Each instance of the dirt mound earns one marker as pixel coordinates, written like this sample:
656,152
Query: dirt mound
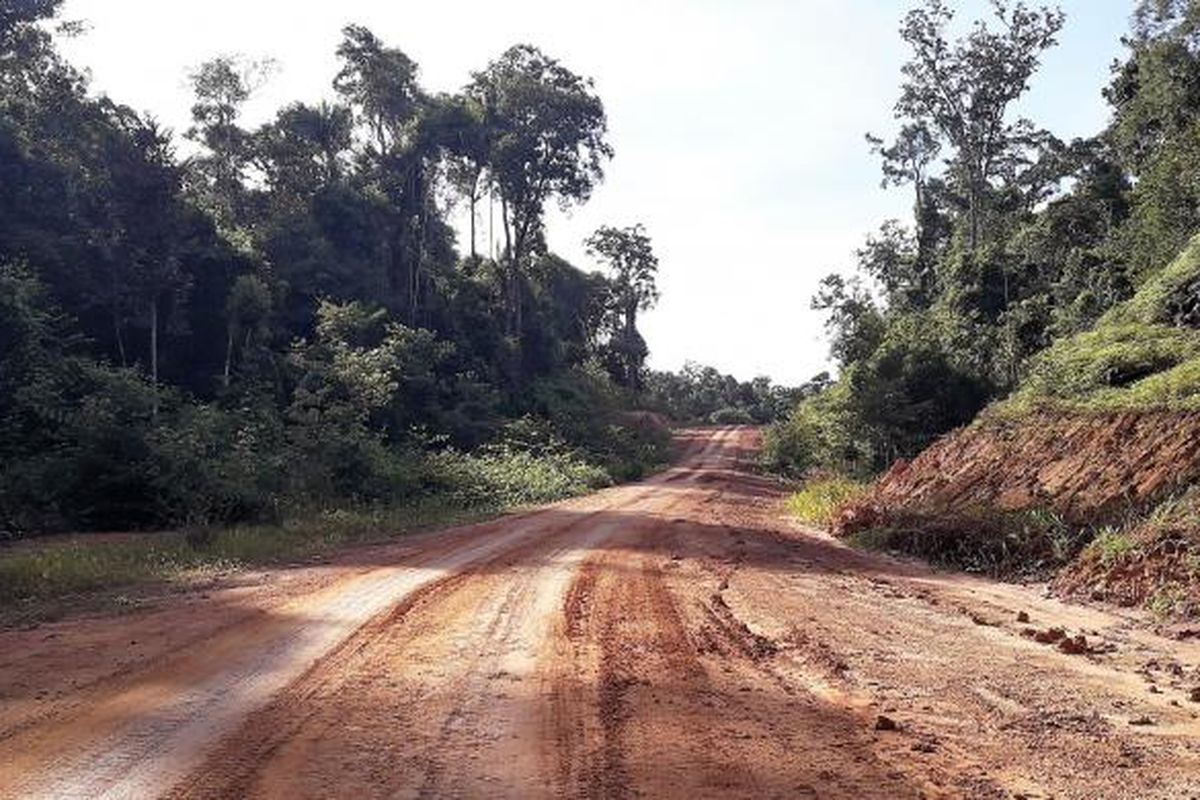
1086,468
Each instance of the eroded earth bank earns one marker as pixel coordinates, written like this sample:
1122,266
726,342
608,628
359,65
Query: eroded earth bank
675,638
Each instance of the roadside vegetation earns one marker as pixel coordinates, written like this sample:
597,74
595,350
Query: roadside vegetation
1032,268
1028,544
701,395
271,340
283,324
1036,278
1142,354
1152,561
819,499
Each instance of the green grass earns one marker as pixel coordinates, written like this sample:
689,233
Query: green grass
34,572
818,501
1134,358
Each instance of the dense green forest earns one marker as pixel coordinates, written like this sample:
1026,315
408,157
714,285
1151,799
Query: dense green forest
256,323
1017,239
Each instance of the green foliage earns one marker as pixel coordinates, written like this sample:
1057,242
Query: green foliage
1032,270
630,258
910,390
1110,545
700,395
280,325
730,415
1137,356
502,476
820,499
819,433
891,404
587,410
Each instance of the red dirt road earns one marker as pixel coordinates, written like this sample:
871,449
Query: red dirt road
674,638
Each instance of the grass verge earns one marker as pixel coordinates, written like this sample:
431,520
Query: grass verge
34,573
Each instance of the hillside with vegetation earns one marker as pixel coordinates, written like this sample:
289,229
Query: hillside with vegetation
1045,297
1018,239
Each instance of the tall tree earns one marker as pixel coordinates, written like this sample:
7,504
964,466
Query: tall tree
380,84
907,160
305,148
633,267
1155,95
222,86
461,127
549,142
964,89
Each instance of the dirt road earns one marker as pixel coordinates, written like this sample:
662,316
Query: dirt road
674,638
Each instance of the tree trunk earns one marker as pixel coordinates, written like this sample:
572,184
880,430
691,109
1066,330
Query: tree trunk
228,355
154,353
473,200
632,365
510,268
119,337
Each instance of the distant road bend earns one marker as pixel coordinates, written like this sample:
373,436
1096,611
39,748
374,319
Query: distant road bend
673,638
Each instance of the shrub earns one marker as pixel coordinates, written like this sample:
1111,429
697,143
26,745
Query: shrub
1111,544
502,476
820,499
584,410
730,415
817,434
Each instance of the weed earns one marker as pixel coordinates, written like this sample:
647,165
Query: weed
1111,545
1167,601
1030,543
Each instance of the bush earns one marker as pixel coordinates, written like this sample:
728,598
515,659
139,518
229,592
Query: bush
502,476
209,466
817,434
820,499
1029,543
730,415
585,411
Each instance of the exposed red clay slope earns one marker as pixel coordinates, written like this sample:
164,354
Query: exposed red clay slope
1086,467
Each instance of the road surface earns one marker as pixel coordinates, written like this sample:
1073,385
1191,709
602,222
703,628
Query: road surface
675,638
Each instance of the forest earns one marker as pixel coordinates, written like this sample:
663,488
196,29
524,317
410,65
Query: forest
246,325
1017,239
228,324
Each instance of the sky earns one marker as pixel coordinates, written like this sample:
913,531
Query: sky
738,125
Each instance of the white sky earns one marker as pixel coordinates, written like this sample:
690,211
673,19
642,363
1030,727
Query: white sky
738,125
